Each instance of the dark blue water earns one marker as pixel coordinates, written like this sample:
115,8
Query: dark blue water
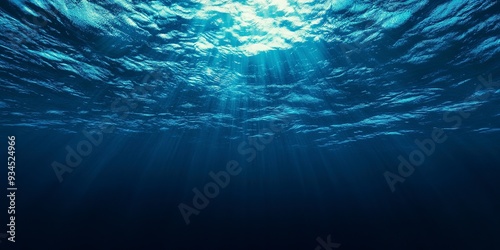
252,124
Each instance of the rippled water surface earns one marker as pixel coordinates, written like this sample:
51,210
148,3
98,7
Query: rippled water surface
346,70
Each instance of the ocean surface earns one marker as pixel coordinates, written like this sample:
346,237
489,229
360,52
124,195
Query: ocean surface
262,124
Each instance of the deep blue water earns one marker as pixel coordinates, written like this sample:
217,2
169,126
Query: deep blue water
373,122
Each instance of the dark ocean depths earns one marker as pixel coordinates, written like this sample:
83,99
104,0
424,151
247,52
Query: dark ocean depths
263,124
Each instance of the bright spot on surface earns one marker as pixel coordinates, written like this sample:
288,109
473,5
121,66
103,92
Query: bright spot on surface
257,25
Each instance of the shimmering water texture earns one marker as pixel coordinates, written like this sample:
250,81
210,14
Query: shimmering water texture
346,70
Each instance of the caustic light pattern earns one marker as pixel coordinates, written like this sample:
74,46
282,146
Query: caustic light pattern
346,70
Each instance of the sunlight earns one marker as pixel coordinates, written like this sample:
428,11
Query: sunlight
258,25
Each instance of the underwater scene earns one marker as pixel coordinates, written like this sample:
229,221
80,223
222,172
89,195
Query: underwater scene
250,125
